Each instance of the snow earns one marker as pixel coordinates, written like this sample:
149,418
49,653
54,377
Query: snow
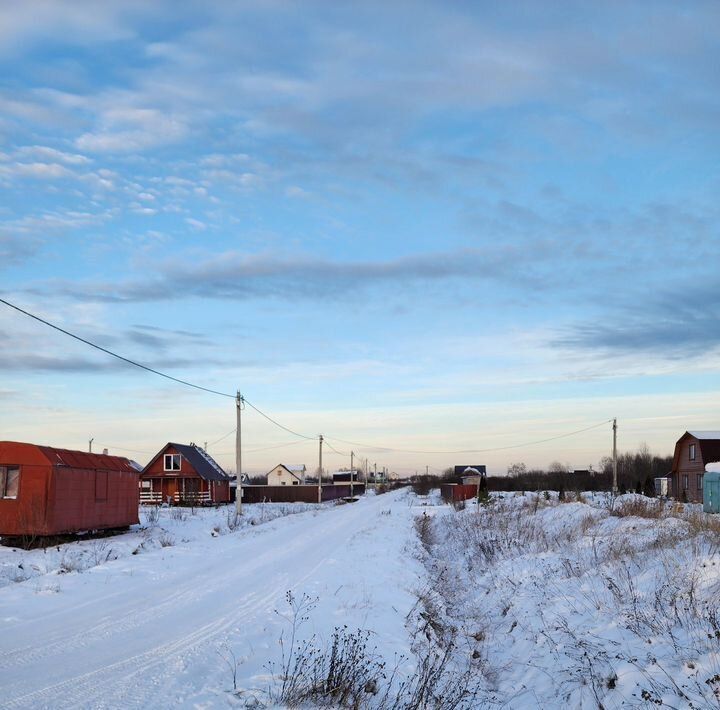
705,434
712,467
588,602
152,629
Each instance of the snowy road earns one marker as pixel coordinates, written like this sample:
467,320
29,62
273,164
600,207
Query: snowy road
150,630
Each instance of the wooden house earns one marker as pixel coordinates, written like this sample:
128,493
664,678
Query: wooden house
47,491
184,474
287,475
692,451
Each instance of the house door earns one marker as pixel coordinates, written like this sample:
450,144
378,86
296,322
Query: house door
191,489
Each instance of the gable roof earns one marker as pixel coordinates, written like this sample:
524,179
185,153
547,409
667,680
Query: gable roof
708,441
205,465
86,460
293,470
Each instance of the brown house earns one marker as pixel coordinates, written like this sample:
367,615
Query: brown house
47,491
693,450
184,474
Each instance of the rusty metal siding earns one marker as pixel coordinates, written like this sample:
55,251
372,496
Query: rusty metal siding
56,497
451,492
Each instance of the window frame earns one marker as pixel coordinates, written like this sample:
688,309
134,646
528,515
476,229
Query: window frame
5,469
692,452
699,480
171,458
686,482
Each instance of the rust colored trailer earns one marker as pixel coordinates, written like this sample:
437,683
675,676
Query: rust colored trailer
47,491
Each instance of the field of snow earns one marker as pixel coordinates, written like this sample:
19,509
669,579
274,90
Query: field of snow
572,604
396,601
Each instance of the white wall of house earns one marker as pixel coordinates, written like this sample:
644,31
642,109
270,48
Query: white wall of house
280,476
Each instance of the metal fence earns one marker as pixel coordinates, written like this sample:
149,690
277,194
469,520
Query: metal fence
298,494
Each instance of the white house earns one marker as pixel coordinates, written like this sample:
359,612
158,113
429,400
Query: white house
290,475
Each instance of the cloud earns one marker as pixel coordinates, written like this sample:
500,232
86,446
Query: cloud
129,130
682,324
235,276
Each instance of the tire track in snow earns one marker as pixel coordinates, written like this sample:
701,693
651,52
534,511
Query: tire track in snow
117,683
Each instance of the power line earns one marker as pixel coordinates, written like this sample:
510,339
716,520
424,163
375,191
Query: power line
473,451
112,354
221,438
147,368
332,448
270,419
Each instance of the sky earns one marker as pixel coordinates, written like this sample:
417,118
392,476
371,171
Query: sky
408,226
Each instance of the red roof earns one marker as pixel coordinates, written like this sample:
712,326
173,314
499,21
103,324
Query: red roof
82,459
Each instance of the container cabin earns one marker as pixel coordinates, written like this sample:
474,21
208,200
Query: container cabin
47,491
184,474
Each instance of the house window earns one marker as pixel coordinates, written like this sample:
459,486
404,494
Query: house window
172,462
9,481
692,452
295,483
699,481
283,483
686,481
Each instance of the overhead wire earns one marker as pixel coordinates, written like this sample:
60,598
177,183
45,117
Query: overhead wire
471,451
209,390
147,368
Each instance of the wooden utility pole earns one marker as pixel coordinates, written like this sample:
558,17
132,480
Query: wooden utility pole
615,481
320,472
90,445
352,472
238,453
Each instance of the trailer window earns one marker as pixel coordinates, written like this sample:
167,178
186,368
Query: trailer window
172,462
9,481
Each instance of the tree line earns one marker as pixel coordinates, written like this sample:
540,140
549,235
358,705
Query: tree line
636,473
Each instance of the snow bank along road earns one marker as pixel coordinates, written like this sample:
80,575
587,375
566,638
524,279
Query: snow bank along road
152,630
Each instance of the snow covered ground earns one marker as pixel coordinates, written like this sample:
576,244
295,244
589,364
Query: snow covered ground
161,628
528,603
571,604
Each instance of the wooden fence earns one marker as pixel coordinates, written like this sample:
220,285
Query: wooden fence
298,494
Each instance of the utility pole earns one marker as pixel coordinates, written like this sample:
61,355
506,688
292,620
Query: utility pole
352,472
427,470
90,445
375,476
615,482
238,453
320,472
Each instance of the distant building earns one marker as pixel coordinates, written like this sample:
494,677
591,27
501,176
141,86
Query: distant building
692,451
287,475
345,476
184,474
479,468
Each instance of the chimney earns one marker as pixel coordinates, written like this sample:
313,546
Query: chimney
105,452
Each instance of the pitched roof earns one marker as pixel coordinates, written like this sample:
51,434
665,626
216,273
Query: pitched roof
205,465
84,459
708,441
293,470
705,434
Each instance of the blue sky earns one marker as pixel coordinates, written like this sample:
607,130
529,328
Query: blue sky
422,226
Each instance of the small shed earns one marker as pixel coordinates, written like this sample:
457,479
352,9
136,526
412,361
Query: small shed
184,474
711,488
47,491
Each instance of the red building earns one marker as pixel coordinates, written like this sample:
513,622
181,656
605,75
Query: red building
693,450
184,474
47,491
